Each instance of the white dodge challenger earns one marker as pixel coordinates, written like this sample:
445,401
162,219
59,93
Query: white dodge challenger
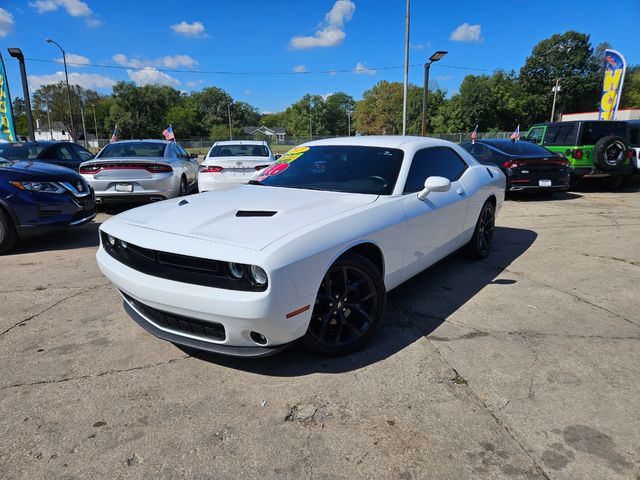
306,251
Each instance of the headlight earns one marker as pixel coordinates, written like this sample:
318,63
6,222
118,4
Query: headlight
46,187
258,275
236,270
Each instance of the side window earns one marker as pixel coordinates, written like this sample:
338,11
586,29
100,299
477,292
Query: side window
185,155
433,162
552,133
482,153
535,135
64,152
82,153
176,150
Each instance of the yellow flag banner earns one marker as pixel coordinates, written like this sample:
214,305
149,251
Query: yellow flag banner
614,68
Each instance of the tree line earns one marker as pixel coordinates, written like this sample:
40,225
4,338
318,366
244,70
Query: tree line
497,101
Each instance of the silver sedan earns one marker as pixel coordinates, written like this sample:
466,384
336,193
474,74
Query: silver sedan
140,170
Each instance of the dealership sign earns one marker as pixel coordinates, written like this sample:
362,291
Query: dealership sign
614,68
7,130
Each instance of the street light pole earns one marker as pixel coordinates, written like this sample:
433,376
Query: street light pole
406,71
555,90
349,113
46,99
17,53
425,89
66,76
229,113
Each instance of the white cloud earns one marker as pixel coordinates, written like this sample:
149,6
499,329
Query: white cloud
420,46
169,61
326,95
195,29
74,60
6,23
75,8
467,33
152,76
85,80
361,69
299,69
194,83
331,34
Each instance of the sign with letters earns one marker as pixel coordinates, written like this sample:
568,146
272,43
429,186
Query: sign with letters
614,69
7,129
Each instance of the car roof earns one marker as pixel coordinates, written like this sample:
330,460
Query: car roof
149,140
388,141
241,142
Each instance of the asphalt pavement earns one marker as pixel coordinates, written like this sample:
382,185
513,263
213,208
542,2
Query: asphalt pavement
522,366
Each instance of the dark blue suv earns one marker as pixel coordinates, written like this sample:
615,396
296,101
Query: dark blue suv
37,198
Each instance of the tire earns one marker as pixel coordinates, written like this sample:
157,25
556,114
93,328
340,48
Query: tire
183,187
349,307
609,152
8,235
480,244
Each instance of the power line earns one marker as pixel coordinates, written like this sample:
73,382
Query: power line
230,72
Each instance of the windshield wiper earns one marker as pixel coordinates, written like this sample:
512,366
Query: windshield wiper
256,182
304,187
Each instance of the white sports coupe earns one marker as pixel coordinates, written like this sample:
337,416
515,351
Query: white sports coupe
306,251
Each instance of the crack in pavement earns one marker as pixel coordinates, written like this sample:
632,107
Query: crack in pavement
98,375
499,422
25,320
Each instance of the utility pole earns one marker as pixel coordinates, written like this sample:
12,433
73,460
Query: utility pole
310,126
406,71
555,91
84,128
349,113
46,99
95,124
229,113
425,89
66,76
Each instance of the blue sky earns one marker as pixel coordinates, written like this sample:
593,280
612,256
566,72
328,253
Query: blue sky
283,36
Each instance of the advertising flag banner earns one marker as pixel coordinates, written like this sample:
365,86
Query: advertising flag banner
7,129
614,68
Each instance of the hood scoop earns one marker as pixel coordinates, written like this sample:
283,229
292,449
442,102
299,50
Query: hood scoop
255,213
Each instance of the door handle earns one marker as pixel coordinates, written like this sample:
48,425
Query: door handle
460,191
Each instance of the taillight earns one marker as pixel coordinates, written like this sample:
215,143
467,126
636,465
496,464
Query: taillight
510,164
210,169
90,169
159,168
260,167
577,154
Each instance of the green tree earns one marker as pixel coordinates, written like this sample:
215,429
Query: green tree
631,88
570,57
337,107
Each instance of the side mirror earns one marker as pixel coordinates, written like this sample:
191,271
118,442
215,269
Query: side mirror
277,156
193,155
434,184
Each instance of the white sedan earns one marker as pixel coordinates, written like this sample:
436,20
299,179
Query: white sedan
233,162
306,251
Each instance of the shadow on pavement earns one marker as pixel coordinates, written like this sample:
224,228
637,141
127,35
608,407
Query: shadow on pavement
414,309
542,196
68,239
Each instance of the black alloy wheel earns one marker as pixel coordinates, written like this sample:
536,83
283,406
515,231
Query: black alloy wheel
348,309
480,244
8,234
183,187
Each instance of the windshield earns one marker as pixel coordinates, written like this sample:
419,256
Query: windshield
370,170
20,150
133,149
239,151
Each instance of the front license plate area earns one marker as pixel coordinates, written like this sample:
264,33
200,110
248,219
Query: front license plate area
544,183
124,187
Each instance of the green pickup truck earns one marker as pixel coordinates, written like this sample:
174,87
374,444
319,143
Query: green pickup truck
594,148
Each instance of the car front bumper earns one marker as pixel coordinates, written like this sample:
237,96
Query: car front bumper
239,312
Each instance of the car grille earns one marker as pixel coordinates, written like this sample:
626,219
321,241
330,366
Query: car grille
179,268
179,323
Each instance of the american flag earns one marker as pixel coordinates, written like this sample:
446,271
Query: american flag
168,133
474,135
114,137
515,136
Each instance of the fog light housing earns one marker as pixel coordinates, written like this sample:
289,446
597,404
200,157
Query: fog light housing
258,338
258,275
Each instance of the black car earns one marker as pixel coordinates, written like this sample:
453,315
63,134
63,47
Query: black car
526,165
37,198
64,154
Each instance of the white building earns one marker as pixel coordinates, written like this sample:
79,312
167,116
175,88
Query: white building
627,114
59,132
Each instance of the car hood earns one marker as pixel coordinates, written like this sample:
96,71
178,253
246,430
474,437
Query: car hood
243,216
37,171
